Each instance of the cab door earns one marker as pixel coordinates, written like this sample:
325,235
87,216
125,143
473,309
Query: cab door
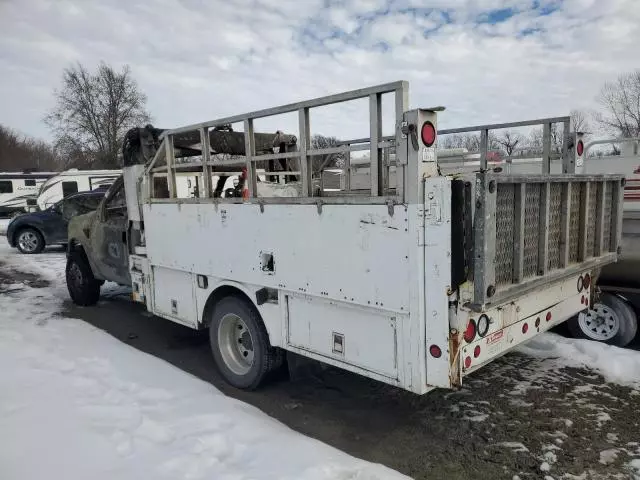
109,236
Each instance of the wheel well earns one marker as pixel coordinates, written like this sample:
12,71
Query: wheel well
75,246
217,295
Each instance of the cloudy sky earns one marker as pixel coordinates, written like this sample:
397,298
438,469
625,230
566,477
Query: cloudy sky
485,60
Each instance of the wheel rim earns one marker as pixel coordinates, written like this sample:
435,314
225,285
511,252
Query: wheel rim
601,323
28,241
75,275
235,344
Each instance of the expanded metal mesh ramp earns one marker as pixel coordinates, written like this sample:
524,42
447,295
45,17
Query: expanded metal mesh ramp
534,229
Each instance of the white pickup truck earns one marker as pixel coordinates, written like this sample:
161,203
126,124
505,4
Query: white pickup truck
416,280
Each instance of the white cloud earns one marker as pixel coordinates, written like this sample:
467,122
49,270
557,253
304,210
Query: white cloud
200,60
342,19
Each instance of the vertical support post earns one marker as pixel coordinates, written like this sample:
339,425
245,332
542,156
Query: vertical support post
347,171
565,224
616,214
250,151
600,199
543,239
171,173
568,148
546,149
206,167
518,238
485,240
375,133
305,143
384,173
401,105
584,220
484,146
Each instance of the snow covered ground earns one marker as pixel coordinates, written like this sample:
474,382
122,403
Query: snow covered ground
78,404
617,365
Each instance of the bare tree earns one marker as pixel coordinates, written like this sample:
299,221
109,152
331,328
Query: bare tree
509,140
580,121
621,103
19,152
94,110
320,162
470,141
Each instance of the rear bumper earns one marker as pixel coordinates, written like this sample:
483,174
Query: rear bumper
518,328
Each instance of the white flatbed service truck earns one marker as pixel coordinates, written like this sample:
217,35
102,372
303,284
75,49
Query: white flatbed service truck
415,283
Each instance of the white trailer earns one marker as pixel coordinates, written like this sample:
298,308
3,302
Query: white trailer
73,181
416,283
19,190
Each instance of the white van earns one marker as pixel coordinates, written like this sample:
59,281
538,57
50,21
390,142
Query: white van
19,190
72,181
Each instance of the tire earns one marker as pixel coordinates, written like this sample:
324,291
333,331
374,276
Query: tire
83,287
236,327
612,321
29,241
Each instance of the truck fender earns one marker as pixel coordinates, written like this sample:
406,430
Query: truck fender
223,288
74,244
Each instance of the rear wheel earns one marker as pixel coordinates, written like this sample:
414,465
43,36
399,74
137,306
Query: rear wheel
611,320
240,343
83,287
29,240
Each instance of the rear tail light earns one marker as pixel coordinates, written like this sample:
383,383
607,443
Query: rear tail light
467,362
476,351
435,351
428,134
470,332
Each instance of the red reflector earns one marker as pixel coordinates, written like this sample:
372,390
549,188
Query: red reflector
470,332
476,351
467,362
435,351
582,299
586,282
548,316
428,134
586,301
580,148
537,322
525,328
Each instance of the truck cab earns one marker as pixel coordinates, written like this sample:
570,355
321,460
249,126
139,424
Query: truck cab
98,247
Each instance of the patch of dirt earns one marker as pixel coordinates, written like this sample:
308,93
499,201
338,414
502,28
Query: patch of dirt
12,280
